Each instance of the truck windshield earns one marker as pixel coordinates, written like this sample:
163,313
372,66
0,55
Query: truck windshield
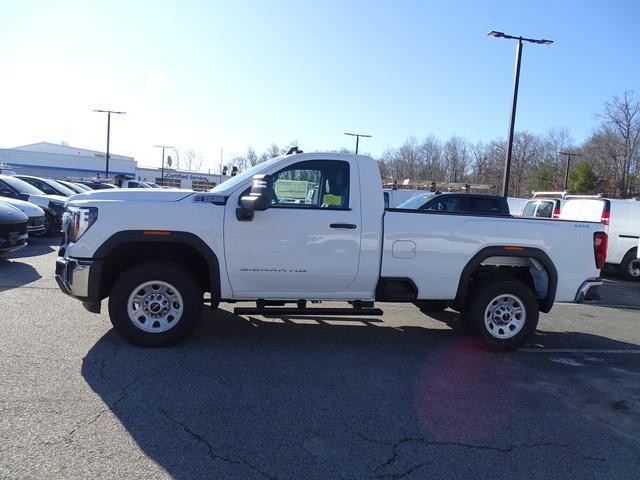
247,174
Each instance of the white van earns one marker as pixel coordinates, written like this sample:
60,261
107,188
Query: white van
623,220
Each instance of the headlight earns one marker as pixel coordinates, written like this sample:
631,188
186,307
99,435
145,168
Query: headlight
79,219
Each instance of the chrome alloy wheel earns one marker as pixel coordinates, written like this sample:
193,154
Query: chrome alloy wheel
505,316
155,306
634,268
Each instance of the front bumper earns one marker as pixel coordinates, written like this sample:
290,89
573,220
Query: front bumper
14,243
35,225
588,291
72,276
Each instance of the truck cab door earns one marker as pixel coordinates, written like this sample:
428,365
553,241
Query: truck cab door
307,243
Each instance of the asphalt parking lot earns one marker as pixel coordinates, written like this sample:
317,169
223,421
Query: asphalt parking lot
404,396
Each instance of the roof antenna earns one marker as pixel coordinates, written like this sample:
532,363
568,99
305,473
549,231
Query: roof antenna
294,150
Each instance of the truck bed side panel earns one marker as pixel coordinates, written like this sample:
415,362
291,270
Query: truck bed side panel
432,249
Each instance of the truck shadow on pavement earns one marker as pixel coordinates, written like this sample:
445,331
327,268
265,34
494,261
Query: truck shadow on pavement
250,398
15,274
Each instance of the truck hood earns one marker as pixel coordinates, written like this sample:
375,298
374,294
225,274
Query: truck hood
132,195
29,209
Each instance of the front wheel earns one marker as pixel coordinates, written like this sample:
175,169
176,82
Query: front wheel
503,315
155,304
49,226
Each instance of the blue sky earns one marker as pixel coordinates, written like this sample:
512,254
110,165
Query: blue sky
218,74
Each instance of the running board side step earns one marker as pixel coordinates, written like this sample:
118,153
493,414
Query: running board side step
338,312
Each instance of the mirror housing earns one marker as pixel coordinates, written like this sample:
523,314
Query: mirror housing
260,196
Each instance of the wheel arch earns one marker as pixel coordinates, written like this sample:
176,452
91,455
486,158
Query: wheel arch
531,253
127,248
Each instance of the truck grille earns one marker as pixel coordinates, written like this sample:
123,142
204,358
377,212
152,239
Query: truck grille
7,228
36,222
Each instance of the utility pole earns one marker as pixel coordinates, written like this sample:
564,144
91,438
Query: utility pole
162,170
514,99
566,173
357,135
108,112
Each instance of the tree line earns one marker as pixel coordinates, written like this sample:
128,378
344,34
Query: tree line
607,162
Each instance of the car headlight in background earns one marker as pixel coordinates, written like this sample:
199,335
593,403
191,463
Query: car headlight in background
78,220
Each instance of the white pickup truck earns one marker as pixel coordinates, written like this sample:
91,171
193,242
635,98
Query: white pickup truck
157,253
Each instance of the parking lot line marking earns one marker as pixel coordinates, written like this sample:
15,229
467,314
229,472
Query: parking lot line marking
608,305
577,350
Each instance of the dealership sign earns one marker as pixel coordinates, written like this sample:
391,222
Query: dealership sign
186,176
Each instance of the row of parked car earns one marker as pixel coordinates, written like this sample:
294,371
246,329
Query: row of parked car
621,218
33,206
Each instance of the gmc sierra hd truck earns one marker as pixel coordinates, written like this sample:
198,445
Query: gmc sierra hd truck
160,255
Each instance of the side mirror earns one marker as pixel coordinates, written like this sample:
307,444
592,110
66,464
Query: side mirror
259,197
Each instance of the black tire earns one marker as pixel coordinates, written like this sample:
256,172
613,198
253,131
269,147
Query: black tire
49,225
499,338
629,269
431,306
166,274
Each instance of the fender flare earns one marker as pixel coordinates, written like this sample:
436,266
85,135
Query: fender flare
507,251
166,236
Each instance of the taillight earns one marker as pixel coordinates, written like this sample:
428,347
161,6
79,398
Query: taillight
600,241
605,218
556,213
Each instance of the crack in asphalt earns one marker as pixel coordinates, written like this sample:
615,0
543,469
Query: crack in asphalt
212,453
68,437
395,447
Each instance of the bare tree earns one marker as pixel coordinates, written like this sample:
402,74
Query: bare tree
620,124
190,161
456,157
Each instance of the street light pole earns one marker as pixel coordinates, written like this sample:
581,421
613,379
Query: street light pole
108,112
512,121
566,173
357,135
514,100
162,169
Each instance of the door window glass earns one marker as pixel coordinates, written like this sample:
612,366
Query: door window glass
484,205
312,184
447,204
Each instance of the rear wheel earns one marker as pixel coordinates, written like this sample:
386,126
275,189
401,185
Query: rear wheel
630,267
503,314
155,304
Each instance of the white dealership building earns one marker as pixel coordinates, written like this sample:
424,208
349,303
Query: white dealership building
55,161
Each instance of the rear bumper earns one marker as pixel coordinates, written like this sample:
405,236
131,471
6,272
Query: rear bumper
588,291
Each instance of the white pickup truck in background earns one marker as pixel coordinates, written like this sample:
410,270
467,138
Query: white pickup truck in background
155,253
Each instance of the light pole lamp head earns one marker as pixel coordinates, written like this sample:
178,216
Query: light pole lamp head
493,33
546,42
